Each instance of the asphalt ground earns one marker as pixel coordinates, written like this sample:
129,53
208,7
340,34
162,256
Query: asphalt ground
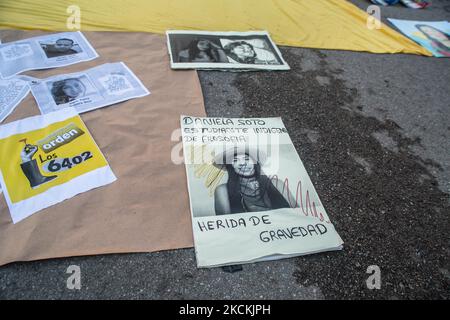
373,132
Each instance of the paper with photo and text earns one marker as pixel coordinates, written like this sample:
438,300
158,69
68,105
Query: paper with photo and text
94,88
44,52
239,51
47,159
250,195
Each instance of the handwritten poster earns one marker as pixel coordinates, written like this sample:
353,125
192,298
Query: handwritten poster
250,195
432,35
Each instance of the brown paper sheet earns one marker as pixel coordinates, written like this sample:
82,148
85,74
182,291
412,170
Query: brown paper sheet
147,208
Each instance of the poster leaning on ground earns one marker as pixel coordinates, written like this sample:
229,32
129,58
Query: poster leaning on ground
250,195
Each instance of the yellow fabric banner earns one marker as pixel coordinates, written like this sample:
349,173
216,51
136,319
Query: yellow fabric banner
322,24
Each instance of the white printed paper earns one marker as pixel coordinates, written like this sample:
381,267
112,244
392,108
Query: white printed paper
252,50
47,159
94,88
12,92
250,195
49,51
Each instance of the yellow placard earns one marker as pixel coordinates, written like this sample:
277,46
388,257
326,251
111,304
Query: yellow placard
29,168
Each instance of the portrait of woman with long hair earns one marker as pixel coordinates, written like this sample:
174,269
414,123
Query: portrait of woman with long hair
247,188
67,90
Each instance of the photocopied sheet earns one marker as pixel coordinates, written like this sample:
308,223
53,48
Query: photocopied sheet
12,92
47,159
94,88
44,52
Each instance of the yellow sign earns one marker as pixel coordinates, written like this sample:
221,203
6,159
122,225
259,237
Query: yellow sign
35,161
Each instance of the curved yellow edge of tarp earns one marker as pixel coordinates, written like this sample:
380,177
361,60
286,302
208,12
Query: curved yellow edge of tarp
321,24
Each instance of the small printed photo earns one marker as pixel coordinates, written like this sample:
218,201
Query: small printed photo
70,89
249,51
197,48
224,50
60,47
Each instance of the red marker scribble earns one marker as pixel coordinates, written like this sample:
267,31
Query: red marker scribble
308,207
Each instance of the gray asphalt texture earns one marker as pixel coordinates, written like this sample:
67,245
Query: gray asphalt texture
373,132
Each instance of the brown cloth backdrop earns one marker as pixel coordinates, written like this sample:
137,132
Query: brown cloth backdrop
147,208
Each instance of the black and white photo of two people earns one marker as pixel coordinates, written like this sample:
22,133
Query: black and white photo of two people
224,50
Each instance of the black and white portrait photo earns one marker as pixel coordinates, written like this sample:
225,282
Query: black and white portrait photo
247,188
60,47
94,88
70,89
224,50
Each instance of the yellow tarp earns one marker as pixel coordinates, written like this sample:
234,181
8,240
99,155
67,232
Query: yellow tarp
324,24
